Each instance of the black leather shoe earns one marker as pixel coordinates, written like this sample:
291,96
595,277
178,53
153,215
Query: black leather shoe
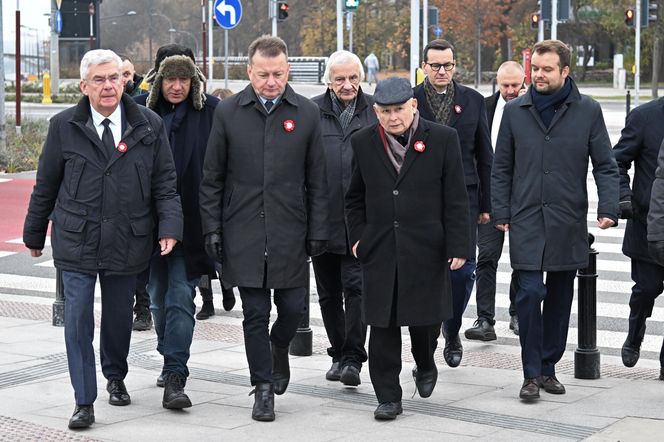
552,385
228,299
630,353
388,411
83,417
117,392
142,321
334,373
350,376
425,380
263,402
174,395
453,351
280,369
207,310
514,324
530,389
482,330
160,380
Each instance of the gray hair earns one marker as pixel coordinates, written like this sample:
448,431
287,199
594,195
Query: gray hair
98,56
342,57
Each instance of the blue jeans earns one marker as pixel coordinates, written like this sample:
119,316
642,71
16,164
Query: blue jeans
172,306
543,310
462,281
117,298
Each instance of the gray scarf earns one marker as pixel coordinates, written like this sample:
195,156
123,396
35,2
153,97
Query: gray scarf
440,104
396,152
345,114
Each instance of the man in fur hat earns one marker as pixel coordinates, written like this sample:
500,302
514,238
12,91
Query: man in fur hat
177,96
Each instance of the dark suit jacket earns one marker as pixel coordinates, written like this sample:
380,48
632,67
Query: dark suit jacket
639,143
408,224
471,124
491,102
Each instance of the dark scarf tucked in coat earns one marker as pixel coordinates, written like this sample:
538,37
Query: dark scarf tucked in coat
173,116
546,105
345,114
440,104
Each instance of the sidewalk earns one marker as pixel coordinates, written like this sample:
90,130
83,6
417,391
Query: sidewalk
477,401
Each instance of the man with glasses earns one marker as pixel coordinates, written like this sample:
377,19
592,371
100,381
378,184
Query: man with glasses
105,176
344,109
443,100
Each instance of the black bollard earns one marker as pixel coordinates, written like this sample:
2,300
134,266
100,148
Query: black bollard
302,343
59,303
628,99
586,356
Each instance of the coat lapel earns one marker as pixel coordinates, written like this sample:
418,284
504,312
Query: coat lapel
460,104
411,155
378,145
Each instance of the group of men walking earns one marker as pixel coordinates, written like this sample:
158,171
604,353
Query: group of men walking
390,195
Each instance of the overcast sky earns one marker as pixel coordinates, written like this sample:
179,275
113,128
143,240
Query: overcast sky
32,15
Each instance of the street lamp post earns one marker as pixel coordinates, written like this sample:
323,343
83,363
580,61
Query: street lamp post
171,29
91,11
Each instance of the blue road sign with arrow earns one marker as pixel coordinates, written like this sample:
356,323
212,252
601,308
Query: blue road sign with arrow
228,13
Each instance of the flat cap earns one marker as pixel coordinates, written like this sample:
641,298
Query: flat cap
392,90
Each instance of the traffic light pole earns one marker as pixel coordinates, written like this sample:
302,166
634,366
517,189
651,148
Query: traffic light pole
637,53
340,26
273,14
554,19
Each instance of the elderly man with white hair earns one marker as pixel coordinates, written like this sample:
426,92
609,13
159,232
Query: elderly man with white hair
344,109
105,177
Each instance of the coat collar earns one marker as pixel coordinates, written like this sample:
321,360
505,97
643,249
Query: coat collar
248,96
460,99
325,102
526,101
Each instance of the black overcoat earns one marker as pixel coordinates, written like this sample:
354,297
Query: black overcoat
639,144
264,188
103,209
408,225
188,137
539,181
338,157
656,212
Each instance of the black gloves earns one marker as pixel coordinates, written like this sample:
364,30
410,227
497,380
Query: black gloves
316,247
625,209
213,246
656,251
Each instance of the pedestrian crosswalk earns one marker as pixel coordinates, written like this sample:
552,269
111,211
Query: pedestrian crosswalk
613,289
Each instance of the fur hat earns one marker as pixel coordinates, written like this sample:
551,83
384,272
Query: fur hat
175,61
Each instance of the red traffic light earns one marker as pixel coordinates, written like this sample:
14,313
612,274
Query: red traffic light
282,10
534,21
629,17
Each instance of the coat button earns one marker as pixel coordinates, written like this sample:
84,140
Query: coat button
547,138
104,219
395,192
547,172
545,204
262,214
107,173
396,223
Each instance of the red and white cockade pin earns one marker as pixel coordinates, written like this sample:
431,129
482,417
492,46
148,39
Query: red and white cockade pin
457,108
419,146
289,125
122,147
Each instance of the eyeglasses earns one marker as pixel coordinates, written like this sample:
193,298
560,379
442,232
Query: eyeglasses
436,66
100,81
340,81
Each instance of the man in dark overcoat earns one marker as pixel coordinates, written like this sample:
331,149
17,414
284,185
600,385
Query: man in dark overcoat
539,194
344,110
407,213
639,144
509,77
176,94
264,209
105,176
443,100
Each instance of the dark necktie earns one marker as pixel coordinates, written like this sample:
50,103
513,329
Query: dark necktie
402,139
268,105
107,137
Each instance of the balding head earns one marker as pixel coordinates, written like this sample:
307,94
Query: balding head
510,78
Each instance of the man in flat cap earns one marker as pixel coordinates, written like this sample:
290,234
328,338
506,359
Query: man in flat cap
407,214
177,96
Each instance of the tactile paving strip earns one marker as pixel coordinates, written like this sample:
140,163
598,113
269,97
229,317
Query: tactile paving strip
17,430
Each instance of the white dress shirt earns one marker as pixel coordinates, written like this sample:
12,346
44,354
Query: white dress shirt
115,126
497,117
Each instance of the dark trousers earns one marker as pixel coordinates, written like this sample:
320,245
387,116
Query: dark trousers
339,284
648,285
142,304
462,281
543,329
256,306
385,357
117,298
490,246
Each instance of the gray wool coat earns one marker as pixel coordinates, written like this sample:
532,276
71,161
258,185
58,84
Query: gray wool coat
538,181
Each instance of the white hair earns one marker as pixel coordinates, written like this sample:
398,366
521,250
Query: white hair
342,57
98,56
